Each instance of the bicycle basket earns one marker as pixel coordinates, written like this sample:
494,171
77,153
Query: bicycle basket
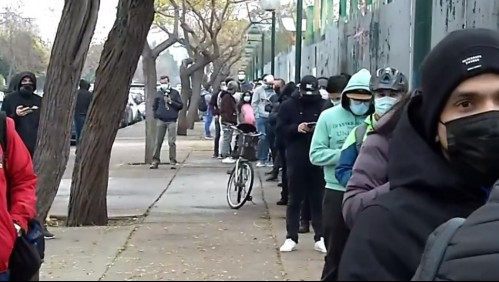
247,146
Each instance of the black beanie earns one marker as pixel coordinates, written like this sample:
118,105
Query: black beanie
460,55
336,84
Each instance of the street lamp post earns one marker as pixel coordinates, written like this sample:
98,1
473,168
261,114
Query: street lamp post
271,6
299,26
262,61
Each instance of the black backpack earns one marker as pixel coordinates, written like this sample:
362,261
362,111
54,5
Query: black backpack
29,249
202,106
435,250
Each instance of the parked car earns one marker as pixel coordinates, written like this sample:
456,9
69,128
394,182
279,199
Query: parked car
136,116
142,109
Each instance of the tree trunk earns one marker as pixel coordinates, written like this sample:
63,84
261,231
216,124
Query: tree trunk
192,114
71,44
185,82
88,203
150,79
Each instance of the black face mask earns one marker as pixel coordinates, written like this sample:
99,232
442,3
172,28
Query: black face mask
473,146
29,88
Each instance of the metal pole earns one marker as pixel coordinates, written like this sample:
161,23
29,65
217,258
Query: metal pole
299,20
272,45
262,61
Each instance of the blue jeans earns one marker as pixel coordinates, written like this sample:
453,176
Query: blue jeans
208,119
4,276
79,123
263,143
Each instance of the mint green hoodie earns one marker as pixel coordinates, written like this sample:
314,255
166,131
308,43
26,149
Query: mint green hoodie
332,129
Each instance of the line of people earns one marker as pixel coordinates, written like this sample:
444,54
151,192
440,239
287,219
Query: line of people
397,164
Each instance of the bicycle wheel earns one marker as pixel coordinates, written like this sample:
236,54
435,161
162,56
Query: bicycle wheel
238,192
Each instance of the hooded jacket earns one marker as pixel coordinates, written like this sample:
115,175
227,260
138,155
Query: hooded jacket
228,108
333,128
369,175
389,235
260,99
22,190
293,112
473,252
26,126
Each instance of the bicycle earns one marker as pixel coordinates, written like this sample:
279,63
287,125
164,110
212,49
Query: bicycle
243,170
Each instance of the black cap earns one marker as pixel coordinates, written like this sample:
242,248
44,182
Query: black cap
309,85
462,54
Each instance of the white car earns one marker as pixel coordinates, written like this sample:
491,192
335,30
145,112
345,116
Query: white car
136,116
142,109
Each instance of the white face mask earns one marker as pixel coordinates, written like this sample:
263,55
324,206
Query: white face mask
165,86
246,98
335,102
383,104
324,94
241,77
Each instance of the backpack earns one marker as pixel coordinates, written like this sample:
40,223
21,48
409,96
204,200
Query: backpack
435,250
202,106
29,249
360,132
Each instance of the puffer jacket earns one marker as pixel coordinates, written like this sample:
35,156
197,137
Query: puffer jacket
369,177
473,252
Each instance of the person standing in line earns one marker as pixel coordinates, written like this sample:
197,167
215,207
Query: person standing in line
166,106
296,122
208,114
333,128
23,106
228,117
83,100
215,110
334,87
259,101
273,108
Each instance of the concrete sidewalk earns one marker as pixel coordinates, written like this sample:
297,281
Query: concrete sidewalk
188,232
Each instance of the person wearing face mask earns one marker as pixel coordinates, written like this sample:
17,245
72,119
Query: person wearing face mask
334,87
244,84
23,106
228,117
273,108
444,159
260,100
389,86
333,128
166,106
245,110
296,122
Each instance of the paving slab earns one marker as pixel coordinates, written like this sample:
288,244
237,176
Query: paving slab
192,234
82,254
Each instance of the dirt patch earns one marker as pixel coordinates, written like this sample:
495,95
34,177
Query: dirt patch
119,221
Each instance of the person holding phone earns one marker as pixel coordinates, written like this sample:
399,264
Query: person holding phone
295,125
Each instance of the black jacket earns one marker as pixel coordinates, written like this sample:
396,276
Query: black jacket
389,236
167,112
274,110
83,100
328,104
26,126
473,252
292,112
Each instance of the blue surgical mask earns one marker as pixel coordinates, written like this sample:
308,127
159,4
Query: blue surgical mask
383,104
359,108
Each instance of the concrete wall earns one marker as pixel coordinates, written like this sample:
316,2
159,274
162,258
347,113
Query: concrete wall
383,37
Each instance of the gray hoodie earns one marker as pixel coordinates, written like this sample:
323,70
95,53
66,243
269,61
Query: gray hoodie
260,98
369,176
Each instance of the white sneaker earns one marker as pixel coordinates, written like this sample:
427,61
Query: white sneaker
228,160
320,246
270,165
288,246
260,164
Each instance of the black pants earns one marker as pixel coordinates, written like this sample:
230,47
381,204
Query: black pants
305,213
304,181
216,152
271,138
335,233
284,176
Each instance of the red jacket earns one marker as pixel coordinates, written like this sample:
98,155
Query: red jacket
22,186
